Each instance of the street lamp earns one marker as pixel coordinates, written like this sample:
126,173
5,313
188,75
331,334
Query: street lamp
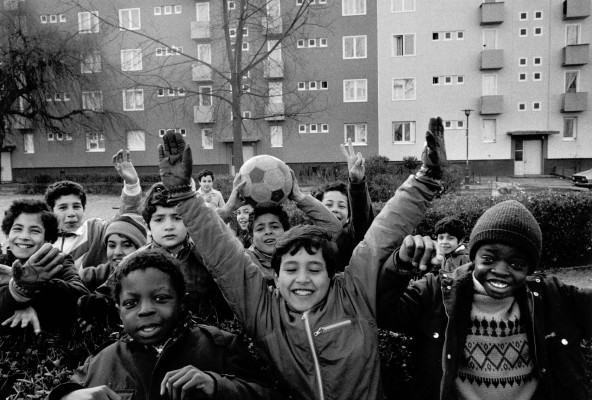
467,170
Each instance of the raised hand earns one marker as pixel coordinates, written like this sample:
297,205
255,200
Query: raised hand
23,318
420,251
95,393
187,382
296,193
124,167
39,268
356,164
175,161
433,156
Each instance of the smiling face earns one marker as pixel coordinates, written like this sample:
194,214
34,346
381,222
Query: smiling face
205,183
70,212
242,216
267,229
26,235
447,243
148,306
501,269
336,202
118,246
303,280
167,228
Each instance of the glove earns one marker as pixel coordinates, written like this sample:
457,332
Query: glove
98,309
39,269
175,165
433,156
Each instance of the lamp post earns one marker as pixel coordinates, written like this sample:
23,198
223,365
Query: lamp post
467,170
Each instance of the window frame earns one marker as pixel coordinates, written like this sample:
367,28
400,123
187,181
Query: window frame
355,98
142,136
352,9
130,12
574,129
354,47
414,80
404,38
131,64
411,131
135,93
356,126
99,140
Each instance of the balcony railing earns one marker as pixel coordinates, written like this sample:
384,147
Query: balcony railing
203,114
200,30
492,104
492,59
274,112
274,69
492,13
576,54
574,102
201,72
574,9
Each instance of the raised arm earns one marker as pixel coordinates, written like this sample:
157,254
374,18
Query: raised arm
131,195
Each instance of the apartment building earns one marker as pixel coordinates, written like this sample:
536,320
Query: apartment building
520,68
165,66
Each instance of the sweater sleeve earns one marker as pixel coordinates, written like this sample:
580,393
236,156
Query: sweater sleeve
319,215
361,210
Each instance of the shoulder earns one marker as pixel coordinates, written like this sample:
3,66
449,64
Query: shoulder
211,334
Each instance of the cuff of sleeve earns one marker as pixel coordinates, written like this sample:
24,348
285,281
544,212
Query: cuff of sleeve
62,390
17,292
357,186
132,189
401,267
433,184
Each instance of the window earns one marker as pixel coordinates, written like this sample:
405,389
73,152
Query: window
324,85
204,52
460,35
354,47
160,92
246,114
353,7
95,142
205,96
88,22
571,81
314,128
159,52
300,43
521,106
92,100
28,143
536,76
404,132
436,80
312,85
50,137
355,132
245,46
53,19
522,77
299,2
91,63
168,10
403,45
402,6
523,16
322,42
131,60
136,140
536,106
489,39
43,19
276,135
231,5
404,89
312,43
301,85
355,90
519,150
58,97
538,15
157,10
570,128
538,31
324,128
448,80
133,100
246,88
523,32
62,17
302,128
522,61
489,130
207,138
460,124
489,84
460,80
447,35
129,19
435,36
181,91
275,92
537,61
178,8
572,34
171,92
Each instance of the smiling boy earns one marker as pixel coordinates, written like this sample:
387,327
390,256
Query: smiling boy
450,234
206,189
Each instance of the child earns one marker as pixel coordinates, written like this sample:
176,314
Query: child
238,220
340,359
45,285
84,239
351,205
210,195
162,353
491,329
450,234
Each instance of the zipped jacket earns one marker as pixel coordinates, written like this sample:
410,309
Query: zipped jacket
436,312
330,351
458,257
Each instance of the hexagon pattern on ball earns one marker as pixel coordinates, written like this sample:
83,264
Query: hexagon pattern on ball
268,180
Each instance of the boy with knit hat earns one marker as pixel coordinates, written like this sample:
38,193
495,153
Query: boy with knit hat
491,329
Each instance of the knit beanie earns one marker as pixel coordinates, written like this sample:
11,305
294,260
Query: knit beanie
508,222
129,225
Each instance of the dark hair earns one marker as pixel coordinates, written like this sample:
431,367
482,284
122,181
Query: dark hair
205,172
312,239
262,209
29,206
64,188
451,226
150,258
331,187
156,196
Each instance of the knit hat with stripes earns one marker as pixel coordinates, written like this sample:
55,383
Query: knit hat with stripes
129,225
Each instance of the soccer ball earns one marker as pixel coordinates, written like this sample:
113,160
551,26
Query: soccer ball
268,180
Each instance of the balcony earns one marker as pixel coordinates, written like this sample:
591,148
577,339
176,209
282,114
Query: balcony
492,13
492,59
19,122
250,133
203,114
12,4
574,102
274,112
201,72
574,9
576,54
273,69
200,30
491,105
272,25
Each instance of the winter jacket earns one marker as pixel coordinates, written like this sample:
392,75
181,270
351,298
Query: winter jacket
330,351
87,247
55,303
94,277
135,371
436,312
458,257
361,217
214,197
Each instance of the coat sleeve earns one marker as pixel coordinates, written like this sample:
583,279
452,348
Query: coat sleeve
131,199
93,277
361,210
579,301
399,217
319,215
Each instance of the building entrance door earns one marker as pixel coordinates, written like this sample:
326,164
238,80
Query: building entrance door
6,165
528,157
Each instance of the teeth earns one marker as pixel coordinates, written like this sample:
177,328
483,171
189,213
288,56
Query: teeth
499,285
24,246
148,329
303,292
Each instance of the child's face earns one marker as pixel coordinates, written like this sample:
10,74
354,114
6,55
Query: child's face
303,280
267,229
447,243
336,202
148,306
26,235
206,183
70,212
167,228
501,269
242,216
118,246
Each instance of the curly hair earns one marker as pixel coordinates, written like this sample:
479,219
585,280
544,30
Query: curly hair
451,226
150,258
331,187
29,206
64,188
156,196
277,210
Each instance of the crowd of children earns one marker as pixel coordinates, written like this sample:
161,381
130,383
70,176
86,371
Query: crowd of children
310,297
